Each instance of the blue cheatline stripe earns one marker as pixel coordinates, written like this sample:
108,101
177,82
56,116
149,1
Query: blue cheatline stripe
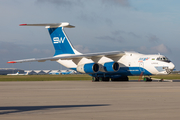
60,41
123,71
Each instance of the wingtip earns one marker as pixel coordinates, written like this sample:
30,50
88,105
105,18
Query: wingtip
11,62
22,24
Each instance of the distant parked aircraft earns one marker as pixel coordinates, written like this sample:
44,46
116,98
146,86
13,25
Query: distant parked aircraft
67,72
63,73
54,73
26,73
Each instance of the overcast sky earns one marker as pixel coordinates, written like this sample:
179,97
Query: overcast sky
145,26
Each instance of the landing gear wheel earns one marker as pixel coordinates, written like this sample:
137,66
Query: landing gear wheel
105,79
147,79
124,78
95,79
114,79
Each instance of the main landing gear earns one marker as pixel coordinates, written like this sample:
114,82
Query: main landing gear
123,78
147,79
107,79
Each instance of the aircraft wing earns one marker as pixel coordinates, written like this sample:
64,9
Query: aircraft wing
115,55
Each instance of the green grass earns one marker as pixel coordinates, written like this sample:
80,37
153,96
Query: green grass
169,77
71,77
45,78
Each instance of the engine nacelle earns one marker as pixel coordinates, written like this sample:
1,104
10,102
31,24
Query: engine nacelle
111,66
88,68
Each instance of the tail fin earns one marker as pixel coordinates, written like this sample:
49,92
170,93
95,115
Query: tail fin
62,44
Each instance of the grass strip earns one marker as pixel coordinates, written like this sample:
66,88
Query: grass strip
45,78
81,77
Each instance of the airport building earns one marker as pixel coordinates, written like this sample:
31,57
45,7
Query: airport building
37,72
5,71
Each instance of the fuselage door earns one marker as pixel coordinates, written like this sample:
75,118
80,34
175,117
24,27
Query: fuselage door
141,66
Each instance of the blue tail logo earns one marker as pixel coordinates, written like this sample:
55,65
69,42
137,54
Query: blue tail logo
60,41
57,40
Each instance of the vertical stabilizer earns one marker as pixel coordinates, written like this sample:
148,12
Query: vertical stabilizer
60,41
62,44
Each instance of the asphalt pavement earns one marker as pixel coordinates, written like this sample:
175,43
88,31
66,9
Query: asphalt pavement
86,100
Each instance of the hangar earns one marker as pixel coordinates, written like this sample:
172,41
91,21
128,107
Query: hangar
5,71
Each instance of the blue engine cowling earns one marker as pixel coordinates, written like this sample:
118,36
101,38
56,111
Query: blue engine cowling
88,68
111,66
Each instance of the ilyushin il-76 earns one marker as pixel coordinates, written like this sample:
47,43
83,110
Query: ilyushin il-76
102,66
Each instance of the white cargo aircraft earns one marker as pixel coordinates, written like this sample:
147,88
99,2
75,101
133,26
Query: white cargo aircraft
103,66
26,73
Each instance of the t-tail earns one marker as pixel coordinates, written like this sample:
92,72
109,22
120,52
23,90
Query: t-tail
62,44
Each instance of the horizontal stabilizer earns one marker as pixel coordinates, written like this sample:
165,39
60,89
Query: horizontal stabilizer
51,25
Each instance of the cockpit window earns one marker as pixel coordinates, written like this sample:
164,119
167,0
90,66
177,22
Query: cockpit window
164,59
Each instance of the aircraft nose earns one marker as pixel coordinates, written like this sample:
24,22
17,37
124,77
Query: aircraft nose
171,66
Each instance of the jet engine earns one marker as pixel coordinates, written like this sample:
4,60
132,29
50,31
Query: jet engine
111,66
88,68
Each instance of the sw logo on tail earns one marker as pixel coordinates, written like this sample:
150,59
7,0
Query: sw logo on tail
57,40
104,66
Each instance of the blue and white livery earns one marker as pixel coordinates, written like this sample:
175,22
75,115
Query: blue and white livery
103,66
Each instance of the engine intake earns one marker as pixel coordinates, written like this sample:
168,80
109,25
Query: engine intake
88,68
111,66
